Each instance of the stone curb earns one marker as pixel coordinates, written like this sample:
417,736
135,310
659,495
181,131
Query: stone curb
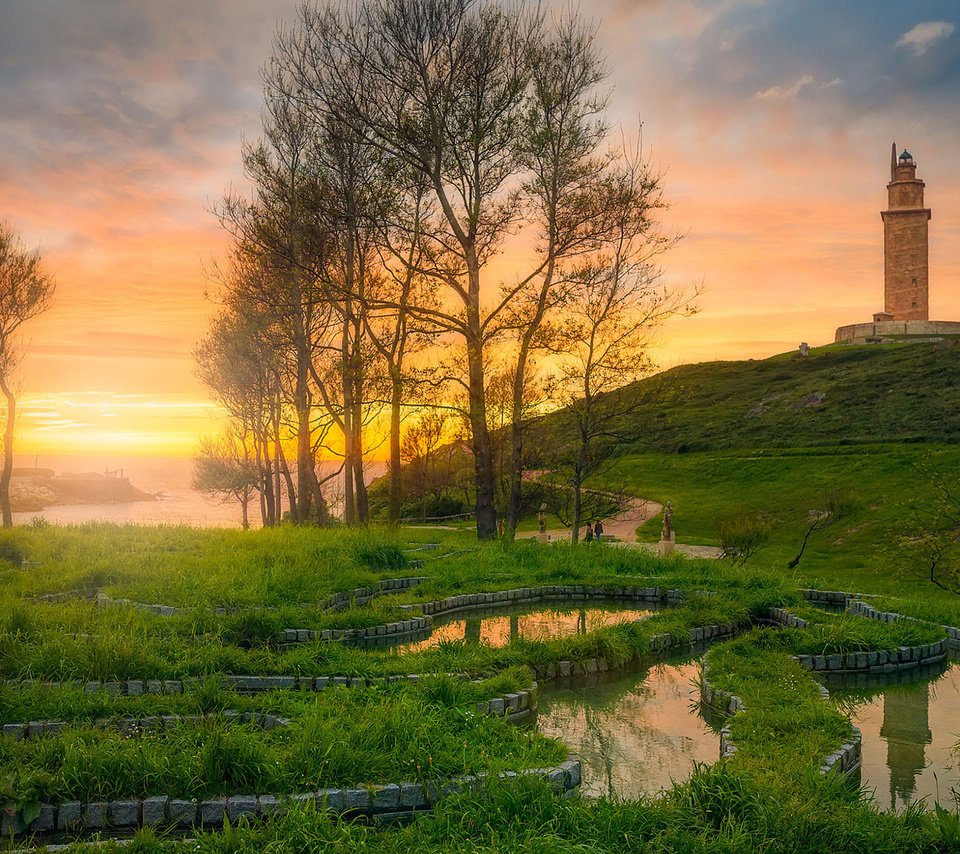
30,730
391,799
387,630
862,609
656,643
828,597
513,708
479,601
526,595
883,661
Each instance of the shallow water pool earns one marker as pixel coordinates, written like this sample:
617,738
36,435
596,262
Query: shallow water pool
911,726
499,627
636,733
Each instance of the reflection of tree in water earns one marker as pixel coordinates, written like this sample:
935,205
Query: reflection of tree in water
634,733
498,629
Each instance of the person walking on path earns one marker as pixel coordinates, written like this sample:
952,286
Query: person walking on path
597,529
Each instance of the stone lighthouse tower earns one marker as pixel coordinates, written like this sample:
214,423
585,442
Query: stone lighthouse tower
905,243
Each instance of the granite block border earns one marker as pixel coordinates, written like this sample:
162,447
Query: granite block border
32,730
548,593
515,707
398,629
657,643
864,609
882,661
377,802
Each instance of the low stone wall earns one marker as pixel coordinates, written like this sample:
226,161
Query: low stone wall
845,759
863,609
550,592
514,708
828,597
783,617
896,330
883,661
480,601
30,730
362,595
383,801
397,629
657,643
241,684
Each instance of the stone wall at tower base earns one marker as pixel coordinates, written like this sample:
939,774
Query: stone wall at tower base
897,330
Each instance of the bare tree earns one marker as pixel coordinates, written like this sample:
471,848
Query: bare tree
932,529
615,303
224,468
563,130
494,113
26,290
439,87
237,362
836,507
421,446
281,232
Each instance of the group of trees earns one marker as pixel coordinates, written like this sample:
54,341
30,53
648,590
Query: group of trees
409,148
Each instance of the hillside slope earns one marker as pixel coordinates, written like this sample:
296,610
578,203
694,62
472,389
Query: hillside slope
836,395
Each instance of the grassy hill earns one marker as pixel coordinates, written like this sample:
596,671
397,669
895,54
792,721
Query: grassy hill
836,395
775,437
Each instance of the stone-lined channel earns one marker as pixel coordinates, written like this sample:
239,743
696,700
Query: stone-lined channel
636,732
911,725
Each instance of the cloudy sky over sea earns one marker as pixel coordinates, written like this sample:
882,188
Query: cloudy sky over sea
123,119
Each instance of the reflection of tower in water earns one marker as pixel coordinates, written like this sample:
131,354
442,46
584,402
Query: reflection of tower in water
906,730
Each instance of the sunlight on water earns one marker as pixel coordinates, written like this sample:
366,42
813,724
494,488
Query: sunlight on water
531,622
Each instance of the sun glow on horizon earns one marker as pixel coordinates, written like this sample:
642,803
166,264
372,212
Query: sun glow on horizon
103,423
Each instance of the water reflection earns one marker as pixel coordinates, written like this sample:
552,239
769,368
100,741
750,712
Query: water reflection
910,731
636,733
532,622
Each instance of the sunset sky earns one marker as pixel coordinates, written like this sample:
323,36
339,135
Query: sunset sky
122,122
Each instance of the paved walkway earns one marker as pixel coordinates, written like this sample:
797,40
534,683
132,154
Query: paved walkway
624,526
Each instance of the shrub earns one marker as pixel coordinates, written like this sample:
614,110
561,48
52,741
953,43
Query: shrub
744,536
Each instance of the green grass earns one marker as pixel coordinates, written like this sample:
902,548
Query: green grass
900,393
860,552
344,736
426,730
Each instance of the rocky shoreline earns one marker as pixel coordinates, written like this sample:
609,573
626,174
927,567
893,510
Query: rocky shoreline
35,489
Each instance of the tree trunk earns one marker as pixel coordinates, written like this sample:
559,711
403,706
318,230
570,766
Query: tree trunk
244,501
349,506
396,486
577,510
300,512
282,465
7,472
482,447
803,547
360,487
485,511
